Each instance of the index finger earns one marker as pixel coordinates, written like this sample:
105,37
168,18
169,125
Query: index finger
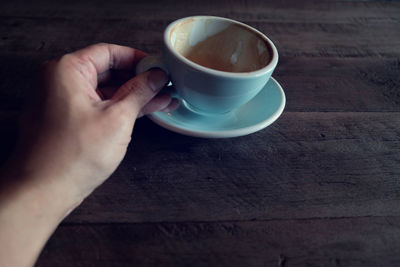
109,56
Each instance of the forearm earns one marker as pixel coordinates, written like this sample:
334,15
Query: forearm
30,211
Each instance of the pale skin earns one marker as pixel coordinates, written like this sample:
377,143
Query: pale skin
74,135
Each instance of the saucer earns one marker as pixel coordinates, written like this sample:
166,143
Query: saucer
254,116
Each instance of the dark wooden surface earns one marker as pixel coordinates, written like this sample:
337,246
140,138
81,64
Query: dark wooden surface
319,187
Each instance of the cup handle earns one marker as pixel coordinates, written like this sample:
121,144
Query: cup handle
151,62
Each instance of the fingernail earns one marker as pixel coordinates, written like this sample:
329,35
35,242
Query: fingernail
157,79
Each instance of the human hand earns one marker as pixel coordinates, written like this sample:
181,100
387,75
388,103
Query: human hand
73,139
74,135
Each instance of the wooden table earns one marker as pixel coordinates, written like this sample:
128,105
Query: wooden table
319,187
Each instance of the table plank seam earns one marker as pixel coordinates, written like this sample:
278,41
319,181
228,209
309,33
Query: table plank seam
72,224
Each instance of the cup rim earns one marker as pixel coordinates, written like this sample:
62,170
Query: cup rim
267,68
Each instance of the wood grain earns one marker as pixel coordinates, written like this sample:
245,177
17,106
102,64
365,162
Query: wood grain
339,41
314,164
361,35
305,165
317,242
319,187
350,45
350,84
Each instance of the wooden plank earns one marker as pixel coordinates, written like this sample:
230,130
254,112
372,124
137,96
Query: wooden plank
304,165
349,84
345,31
369,241
287,10
377,37
320,187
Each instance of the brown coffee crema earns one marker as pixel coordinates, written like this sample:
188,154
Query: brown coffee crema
233,49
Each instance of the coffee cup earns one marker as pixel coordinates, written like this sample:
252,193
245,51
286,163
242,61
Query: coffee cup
215,64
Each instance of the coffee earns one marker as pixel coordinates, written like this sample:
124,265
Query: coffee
232,48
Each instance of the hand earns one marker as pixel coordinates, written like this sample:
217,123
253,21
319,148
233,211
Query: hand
74,137
75,133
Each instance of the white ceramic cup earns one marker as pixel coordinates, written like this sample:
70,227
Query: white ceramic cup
215,64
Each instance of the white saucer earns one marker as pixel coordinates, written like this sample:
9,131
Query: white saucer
254,116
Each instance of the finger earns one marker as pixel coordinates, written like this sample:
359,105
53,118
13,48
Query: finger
96,59
137,92
110,56
174,104
151,107
159,102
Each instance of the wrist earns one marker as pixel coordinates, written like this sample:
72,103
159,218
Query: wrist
39,192
30,211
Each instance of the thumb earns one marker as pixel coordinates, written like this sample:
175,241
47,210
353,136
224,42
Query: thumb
138,91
